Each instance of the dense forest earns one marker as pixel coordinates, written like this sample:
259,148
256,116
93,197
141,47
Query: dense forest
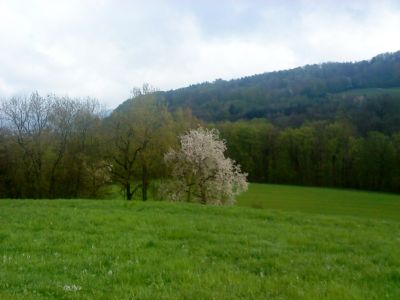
333,124
316,153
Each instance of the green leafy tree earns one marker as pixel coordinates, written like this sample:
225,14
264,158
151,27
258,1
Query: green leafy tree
138,136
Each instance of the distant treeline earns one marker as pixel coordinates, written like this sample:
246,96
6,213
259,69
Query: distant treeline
57,147
318,154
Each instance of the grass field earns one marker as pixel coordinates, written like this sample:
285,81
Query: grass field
112,249
322,201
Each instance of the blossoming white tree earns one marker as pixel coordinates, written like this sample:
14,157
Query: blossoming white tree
201,171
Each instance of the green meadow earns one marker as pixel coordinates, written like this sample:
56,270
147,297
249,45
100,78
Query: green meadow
300,243
322,201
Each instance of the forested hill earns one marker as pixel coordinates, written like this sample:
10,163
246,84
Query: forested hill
366,92
305,92
332,124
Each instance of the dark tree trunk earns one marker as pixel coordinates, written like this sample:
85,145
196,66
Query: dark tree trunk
128,192
78,182
144,183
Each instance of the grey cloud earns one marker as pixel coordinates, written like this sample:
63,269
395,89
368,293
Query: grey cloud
103,48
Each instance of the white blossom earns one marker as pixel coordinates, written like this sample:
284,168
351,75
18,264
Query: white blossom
201,171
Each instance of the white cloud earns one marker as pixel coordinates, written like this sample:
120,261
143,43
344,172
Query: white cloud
103,48
350,34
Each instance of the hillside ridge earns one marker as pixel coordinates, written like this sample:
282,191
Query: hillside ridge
288,98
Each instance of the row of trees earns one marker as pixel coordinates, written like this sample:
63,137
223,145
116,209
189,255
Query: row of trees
50,147
319,154
59,147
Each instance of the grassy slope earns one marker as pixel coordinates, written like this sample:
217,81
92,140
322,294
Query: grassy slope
120,250
322,201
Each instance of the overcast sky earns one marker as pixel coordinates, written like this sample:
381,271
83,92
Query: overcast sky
103,48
